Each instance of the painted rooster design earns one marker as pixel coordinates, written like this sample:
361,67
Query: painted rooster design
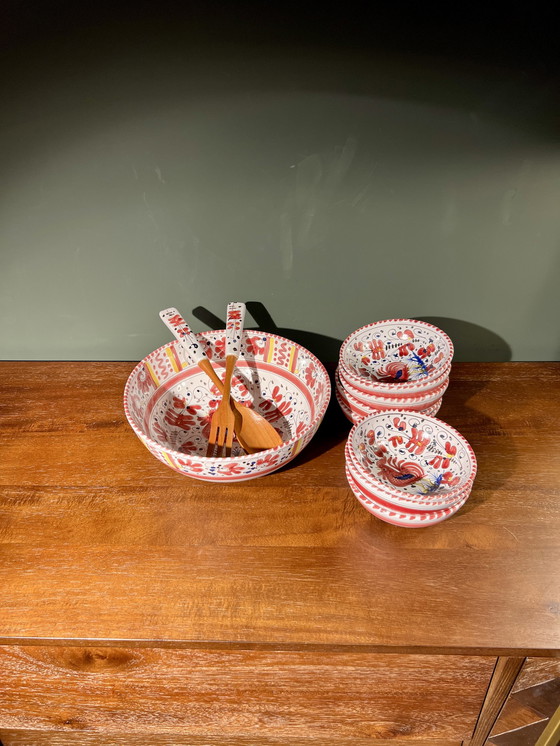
397,371
399,472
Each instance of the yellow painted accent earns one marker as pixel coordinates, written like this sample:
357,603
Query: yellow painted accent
291,359
172,360
270,350
298,446
169,460
152,372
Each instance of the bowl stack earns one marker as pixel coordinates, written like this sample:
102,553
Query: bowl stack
395,364
408,468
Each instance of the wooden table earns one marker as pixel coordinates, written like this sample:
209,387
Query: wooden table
139,606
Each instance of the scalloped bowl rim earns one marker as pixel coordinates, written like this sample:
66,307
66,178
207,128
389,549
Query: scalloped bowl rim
401,400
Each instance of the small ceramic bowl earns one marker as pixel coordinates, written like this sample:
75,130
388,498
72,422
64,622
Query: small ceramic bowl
168,403
399,498
355,412
418,402
396,353
399,516
411,453
365,388
361,405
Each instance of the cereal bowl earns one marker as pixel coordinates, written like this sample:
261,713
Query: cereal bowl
409,453
169,402
400,391
396,354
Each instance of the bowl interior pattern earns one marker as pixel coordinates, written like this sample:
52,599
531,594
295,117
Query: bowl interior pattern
169,402
428,501
397,351
417,454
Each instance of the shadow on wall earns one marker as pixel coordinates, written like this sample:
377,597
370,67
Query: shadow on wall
322,346
471,341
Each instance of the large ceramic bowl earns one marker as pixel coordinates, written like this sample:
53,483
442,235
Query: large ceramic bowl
168,403
401,355
410,453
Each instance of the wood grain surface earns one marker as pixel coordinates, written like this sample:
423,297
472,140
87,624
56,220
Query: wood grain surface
56,738
503,679
536,671
236,693
100,542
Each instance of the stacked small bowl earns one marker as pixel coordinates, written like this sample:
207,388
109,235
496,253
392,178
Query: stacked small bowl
403,465
394,364
409,469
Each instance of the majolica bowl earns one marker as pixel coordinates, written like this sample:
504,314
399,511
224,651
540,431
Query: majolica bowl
410,453
401,355
169,402
418,402
405,518
355,411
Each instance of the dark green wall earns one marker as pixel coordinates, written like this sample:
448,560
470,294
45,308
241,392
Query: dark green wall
330,172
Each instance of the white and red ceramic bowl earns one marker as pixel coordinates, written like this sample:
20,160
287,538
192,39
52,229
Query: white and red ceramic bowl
418,402
406,518
168,403
401,453
396,357
355,411
366,388
376,491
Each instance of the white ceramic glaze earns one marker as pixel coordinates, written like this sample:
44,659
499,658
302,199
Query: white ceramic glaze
396,355
169,401
408,452
399,517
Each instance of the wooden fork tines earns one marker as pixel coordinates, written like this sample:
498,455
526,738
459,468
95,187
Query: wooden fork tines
223,420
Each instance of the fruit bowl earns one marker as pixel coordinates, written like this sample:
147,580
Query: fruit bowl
169,402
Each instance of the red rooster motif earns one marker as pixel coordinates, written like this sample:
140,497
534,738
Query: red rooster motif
399,473
397,371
